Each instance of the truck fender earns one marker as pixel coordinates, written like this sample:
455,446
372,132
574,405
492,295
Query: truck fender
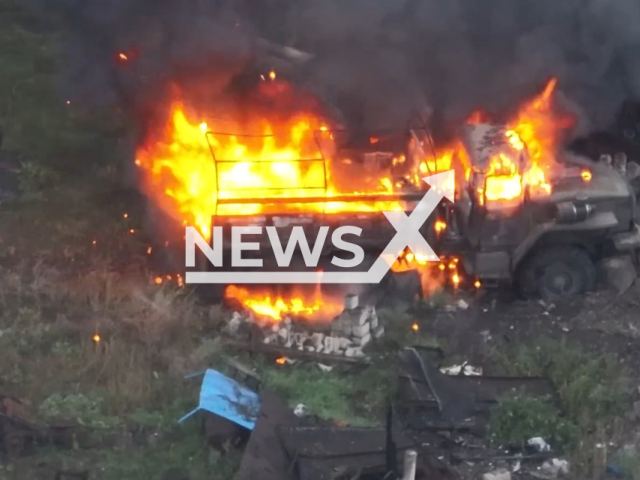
599,221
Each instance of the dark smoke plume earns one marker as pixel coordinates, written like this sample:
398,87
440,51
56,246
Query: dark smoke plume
376,60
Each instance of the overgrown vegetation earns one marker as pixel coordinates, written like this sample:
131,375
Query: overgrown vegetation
49,132
592,389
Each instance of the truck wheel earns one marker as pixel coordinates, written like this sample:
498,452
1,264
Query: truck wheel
558,273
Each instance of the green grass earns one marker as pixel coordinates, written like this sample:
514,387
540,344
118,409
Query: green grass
593,387
629,462
593,394
353,397
520,418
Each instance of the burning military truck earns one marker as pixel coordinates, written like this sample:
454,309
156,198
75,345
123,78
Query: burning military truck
525,213
544,234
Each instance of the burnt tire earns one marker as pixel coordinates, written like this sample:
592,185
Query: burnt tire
557,274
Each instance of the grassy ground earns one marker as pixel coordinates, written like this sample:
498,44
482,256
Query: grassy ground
74,264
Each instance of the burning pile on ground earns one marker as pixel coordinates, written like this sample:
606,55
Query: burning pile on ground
322,328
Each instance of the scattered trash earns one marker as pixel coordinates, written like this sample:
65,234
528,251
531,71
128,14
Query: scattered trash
547,306
300,411
225,397
325,368
516,467
463,369
462,305
539,444
555,467
499,474
432,399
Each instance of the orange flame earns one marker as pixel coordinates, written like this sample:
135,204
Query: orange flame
314,307
285,161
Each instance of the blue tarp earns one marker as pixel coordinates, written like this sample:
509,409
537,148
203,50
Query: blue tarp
227,398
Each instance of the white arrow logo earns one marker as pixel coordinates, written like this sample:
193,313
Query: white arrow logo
407,235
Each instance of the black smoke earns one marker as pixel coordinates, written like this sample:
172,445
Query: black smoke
376,60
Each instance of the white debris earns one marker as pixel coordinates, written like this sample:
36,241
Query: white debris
362,341
317,339
555,467
539,444
300,410
325,368
378,331
499,474
354,328
283,333
633,170
516,467
463,369
361,330
353,352
462,305
234,323
271,338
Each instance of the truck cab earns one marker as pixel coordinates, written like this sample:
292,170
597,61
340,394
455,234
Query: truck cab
540,227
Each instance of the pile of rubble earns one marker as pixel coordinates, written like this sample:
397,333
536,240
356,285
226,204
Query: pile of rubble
346,335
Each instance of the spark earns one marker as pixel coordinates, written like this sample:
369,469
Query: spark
586,175
415,327
96,338
272,75
281,360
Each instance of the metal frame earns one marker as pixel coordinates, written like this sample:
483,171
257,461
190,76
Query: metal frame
324,199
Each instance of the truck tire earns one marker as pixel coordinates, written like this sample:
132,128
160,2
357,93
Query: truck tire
558,273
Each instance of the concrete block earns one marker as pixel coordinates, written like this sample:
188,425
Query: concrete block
351,302
500,474
354,352
356,317
373,320
378,331
362,341
360,331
